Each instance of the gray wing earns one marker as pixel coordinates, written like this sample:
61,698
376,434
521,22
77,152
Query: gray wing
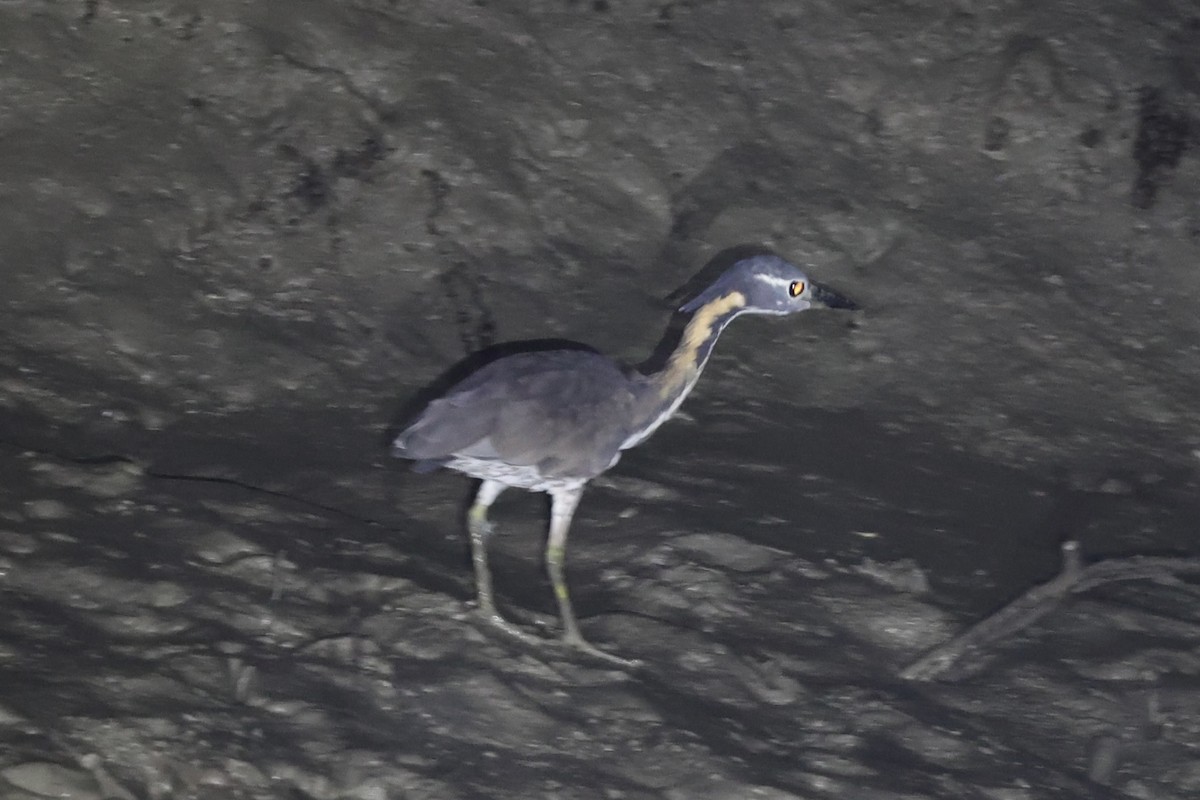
564,411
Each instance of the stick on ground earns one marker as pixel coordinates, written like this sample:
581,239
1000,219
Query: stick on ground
945,660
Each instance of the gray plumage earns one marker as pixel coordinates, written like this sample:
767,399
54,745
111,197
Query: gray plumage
563,412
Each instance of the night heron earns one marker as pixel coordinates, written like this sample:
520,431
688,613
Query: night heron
551,420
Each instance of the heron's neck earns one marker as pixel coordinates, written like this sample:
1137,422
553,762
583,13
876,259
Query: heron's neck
667,388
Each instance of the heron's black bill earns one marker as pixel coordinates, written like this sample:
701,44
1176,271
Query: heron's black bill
831,299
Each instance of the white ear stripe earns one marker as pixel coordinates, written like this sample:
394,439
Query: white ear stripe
775,280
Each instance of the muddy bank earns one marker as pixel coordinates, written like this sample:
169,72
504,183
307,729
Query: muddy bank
237,238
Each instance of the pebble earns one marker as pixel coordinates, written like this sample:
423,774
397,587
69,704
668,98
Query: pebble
727,550
52,780
20,544
47,509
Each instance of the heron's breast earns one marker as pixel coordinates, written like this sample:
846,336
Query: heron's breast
514,475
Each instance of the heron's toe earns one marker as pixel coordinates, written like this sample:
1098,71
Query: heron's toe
584,646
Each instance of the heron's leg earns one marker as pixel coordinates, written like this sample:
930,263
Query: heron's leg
562,509
479,528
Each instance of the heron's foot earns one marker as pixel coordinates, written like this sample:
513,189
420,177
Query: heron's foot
583,645
577,643
493,617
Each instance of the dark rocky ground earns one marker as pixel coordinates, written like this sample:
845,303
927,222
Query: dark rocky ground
238,237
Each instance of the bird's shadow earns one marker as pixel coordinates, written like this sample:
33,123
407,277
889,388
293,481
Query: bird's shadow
407,409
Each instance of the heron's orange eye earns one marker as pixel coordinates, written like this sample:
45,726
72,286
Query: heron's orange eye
796,288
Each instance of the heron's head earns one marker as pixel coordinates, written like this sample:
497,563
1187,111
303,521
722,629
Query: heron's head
766,284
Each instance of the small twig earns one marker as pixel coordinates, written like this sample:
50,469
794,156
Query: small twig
1041,600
